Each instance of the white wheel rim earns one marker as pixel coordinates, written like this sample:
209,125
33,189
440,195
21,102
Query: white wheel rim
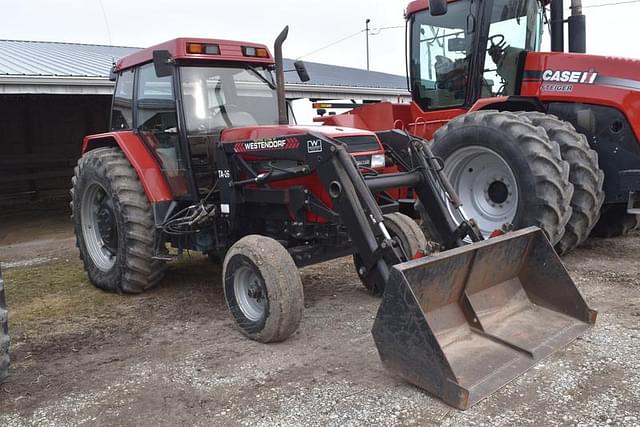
103,258
250,293
486,186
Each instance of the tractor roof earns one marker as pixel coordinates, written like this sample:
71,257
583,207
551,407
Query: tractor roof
217,50
418,5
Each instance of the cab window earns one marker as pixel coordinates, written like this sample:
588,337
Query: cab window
516,26
122,111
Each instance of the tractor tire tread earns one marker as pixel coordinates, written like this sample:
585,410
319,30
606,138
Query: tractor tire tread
585,175
140,271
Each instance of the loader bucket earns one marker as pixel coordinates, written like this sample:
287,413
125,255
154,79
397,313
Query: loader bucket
463,323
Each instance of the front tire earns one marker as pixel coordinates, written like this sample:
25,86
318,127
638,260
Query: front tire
411,238
263,289
113,222
506,171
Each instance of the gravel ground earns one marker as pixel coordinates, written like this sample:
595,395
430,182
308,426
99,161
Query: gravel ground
174,357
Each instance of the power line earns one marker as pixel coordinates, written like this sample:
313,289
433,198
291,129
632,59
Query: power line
332,44
611,4
371,32
106,21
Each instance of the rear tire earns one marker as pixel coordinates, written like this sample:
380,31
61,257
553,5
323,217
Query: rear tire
263,289
113,221
4,334
506,170
411,238
615,221
585,175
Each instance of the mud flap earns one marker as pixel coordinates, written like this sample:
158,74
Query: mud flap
465,322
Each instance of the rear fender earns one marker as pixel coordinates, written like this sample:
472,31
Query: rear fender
509,103
148,169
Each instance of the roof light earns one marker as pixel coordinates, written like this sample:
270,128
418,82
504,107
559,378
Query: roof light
203,49
259,52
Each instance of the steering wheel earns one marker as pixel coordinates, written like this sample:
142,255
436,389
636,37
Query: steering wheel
496,48
496,41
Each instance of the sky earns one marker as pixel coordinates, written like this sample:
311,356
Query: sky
313,24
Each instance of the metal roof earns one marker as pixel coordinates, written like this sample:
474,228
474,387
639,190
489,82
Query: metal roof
19,58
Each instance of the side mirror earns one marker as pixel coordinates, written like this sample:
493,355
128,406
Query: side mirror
162,63
302,71
112,73
437,7
457,44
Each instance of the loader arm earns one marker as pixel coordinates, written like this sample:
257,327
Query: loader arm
351,193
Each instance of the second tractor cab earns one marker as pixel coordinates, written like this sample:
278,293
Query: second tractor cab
550,139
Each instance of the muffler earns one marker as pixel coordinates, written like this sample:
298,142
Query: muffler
463,323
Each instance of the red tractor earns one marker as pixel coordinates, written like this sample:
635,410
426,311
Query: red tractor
526,137
201,157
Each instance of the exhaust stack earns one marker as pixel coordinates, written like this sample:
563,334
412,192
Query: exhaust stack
577,27
283,118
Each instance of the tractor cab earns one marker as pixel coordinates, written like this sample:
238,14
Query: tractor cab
192,90
483,39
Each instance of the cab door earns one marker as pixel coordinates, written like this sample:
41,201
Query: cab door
156,121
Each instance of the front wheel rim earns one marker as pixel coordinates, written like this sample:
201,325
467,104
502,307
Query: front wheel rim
250,293
486,186
99,227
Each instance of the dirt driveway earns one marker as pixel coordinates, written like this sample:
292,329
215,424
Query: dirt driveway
173,356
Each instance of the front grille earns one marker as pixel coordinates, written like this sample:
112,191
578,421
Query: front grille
361,143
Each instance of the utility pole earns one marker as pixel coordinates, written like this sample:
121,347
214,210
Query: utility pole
367,30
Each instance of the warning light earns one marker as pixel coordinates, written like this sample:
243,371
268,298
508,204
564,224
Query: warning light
259,52
203,49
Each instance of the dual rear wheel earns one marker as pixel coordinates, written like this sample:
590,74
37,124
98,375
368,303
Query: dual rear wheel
524,169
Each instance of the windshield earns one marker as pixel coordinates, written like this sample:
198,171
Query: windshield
218,97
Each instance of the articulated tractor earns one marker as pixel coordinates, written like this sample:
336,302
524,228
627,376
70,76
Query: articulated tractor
550,139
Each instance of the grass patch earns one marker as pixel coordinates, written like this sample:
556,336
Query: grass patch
55,291
60,293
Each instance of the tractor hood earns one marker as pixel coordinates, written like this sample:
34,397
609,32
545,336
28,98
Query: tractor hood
268,132
590,79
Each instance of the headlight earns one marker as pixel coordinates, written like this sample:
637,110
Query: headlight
377,161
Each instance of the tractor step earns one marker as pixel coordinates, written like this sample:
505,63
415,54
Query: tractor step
633,204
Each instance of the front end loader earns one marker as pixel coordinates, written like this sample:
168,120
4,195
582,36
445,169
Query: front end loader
201,157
